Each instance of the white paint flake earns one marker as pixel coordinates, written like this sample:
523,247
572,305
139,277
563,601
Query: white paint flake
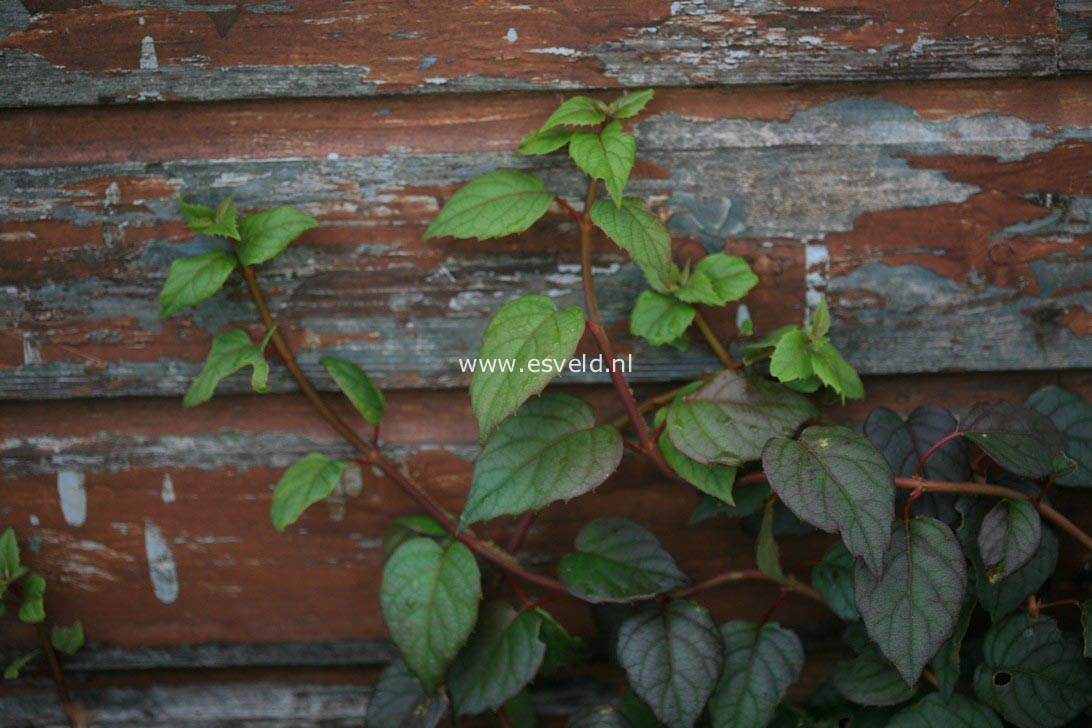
112,197
161,565
743,314
555,51
512,35
73,497
817,266
148,60
31,354
167,491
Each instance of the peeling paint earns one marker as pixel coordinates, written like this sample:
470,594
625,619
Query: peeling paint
166,492
73,496
148,59
161,564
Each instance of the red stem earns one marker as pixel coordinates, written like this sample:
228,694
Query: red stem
773,607
943,441
520,534
568,208
730,577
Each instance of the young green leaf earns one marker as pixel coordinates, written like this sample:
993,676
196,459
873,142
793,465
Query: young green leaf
833,578
608,156
912,609
527,328
400,700
768,556
544,142
356,386
429,599
639,233
869,679
936,711
10,568
836,480
761,349
67,639
562,648
791,357
820,321
502,656
577,111
1006,595
550,450
1032,674
630,104
1072,415
310,479
728,420
266,234
1020,440
1008,537
11,672
834,371
206,221
660,319
405,528
760,663
32,609
713,480
496,204
192,280
947,664
231,351
696,287
617,560
729,275
672,656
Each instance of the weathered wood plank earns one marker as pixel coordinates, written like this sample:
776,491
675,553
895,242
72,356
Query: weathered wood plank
1075,36
913,209
85,52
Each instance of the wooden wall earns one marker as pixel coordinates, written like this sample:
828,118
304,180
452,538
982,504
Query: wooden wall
924,165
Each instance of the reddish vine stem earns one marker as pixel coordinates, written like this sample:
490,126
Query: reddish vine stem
371,454
730,577
714,342
568,208
71,711
773,607
940,443
520,534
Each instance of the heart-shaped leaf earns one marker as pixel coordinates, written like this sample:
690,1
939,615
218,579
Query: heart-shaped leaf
1006,595
672,656
833,578
265,234
400,701
728,420
192,280
496,204
1008,537
869,679
617,560
67,639
231,351
429,598
527,328
936,711
660,319
913,608
729,276
1032,674
607,155
502,656
1019,439
836,480
1072,415
551,450
638,232
760,663
791,357
309,480
356,386
714,480
947,664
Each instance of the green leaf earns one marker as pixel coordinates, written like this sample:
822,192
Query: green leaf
496,204
728,420
833,578
400,701
10,568
267,233
310,479
206,221
639,233
697,288
758,350
617,560
836,480
820,321
660,319
637,712
947,664
1072,415
1032,674
503,655
913,608
791,357
630,104
67,639
551,450
192,280
356,386
935,711
577,111
527,328
869,679
672,656
562,648
405,528
11,672
714,480
544,142
519,711
730,276
760,663
834,371
602,716
768,556
1008,537
607,155
32,609
1006,595
1020,440
429,598
231,351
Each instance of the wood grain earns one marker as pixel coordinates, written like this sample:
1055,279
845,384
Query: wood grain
86,52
